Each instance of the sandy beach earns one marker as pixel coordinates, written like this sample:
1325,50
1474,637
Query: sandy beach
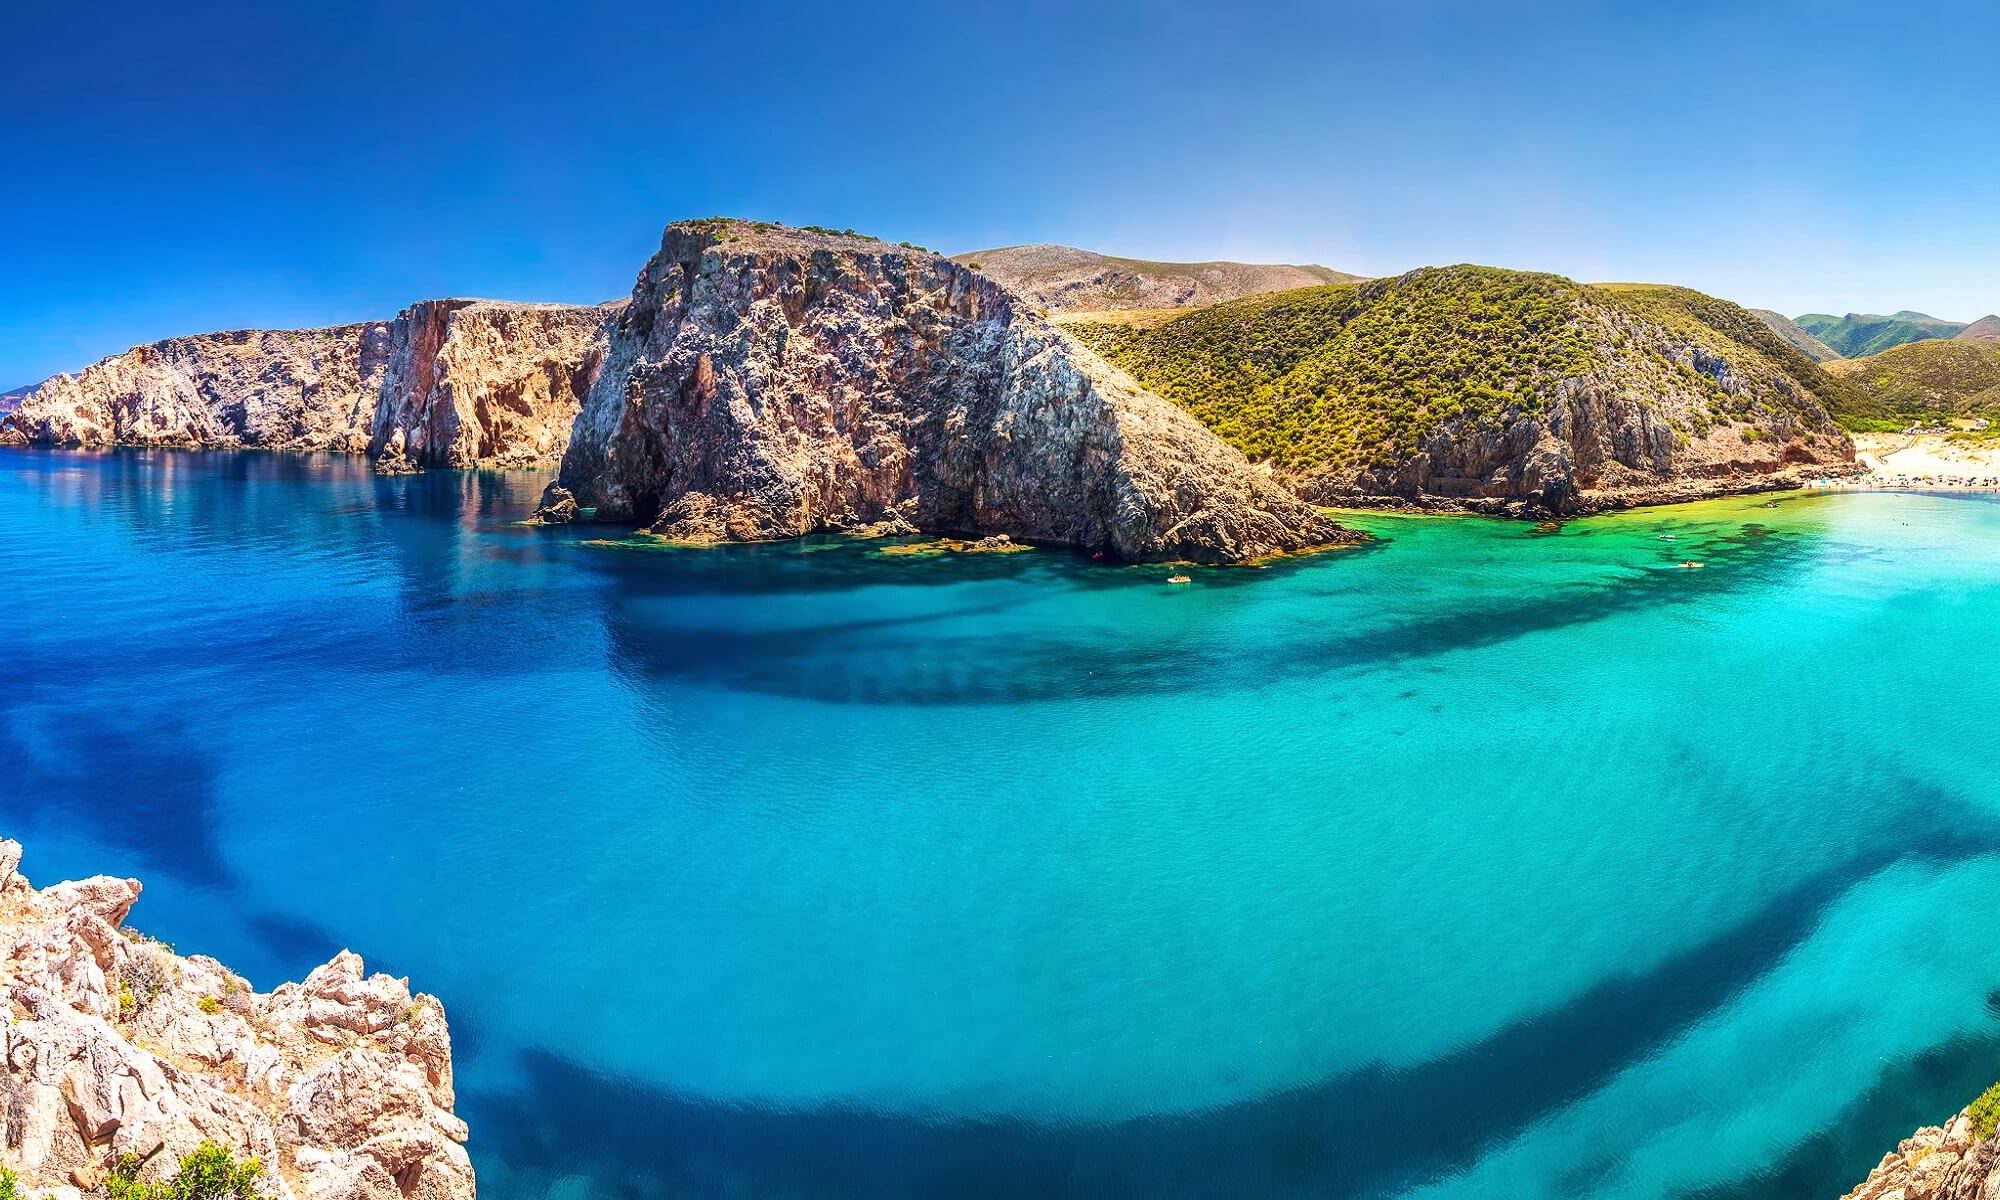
1919,462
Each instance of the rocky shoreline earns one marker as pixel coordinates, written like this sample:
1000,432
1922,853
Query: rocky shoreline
122,1055
1959,1160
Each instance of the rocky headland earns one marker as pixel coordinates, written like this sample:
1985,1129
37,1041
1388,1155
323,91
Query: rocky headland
767,382
454,383
121,1055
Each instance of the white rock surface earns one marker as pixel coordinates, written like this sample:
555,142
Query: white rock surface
113,1044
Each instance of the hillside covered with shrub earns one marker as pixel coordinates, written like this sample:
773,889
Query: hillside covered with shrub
1931,382
1493,389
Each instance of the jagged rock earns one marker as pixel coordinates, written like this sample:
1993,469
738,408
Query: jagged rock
558,506
768,383
395,457
1941,1162
341,1085
456,383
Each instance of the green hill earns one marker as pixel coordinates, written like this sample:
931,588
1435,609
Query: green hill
1064,279
1928,382
1858,335
1794,333
1476,383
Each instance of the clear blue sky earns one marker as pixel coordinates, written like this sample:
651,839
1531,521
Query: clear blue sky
176,168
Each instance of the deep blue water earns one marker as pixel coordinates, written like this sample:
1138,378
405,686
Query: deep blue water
1476,863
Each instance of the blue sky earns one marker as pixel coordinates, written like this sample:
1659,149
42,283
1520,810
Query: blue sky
169,170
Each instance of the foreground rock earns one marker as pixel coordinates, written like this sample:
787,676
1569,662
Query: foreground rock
1959,1160
340,1086
768,383
455,383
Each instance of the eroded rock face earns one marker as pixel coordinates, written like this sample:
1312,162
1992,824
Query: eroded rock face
308,389
769,383
341,1085
478,383
1947,1162
461,382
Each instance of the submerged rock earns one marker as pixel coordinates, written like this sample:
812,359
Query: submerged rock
341,1086
769,383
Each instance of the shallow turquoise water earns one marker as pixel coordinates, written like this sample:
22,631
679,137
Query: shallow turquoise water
1476,863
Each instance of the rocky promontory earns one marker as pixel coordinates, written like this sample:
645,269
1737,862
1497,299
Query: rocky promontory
122,1055
446,383
767,382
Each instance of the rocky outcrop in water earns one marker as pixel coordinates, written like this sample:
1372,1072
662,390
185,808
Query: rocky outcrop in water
1959,1160
452,382
768,383
341,1086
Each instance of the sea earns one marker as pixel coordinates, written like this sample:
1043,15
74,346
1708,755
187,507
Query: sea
1486,860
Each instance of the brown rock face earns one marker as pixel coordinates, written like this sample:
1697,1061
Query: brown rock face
340,1086
769,383
462,382
477,383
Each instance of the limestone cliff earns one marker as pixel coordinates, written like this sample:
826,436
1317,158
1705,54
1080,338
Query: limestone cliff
767,383
1959,1160
446,383
114,1045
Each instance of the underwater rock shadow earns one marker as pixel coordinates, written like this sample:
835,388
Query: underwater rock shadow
1925,1090
825,663
1365,1133
147,788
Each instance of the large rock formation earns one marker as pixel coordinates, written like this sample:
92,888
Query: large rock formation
340,1086
446,383
768,383
1959,1160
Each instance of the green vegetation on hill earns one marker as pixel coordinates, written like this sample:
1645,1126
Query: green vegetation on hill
1927,382
1357,377
1858,335
1794,333
1689,312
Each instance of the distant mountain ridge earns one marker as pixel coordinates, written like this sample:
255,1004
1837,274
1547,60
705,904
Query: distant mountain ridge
1858,335
1065,279
9,401
1794,333
1985,329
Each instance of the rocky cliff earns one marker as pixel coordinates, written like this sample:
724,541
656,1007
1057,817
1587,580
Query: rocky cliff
1959,1160
1494,391
446,383
115,1046
767,382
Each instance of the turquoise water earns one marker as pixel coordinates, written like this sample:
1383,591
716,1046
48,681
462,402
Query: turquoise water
1475,863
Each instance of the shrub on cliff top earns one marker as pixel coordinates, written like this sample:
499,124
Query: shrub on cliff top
1985,1113
209,1172
10,1185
